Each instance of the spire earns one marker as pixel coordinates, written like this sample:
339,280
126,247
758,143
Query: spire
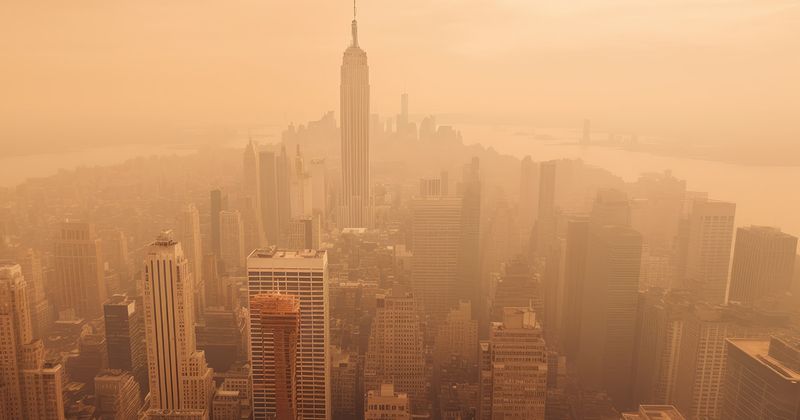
355,26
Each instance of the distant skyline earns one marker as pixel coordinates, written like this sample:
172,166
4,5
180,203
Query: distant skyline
710,70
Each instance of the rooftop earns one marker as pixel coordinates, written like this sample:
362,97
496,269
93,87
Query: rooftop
273,252
759,350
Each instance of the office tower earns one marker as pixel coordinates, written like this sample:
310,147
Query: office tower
268,185
500,239
657,217
222,335
469,252
345,384
31,263
436,234
303,274
587,132
709,232
517,287
544,232
319,188
514,368
703,354
302,233
125,341
29,387
608,313
763,263
300,193
274,332
654,412
283,178
385,403
762,379
528,191
395,352
576,246
219,202
79,270
457,337
117,395
179,377
231,245
354,113
188,233
251,202
213,281
660,324
403,128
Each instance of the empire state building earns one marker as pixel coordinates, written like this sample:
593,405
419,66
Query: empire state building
355,210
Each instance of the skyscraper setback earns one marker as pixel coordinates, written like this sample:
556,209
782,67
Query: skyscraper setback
356,206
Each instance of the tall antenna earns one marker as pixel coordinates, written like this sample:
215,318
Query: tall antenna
354,9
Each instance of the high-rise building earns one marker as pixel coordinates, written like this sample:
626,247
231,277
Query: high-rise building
703,353
117,395
608,312
179,377
544,232
385,403
762,379
345,384
231,242
354,112
300,193
31,263
514,368
528,192
654,412
219,202
708,237
79,270
29,387
457,337
125,340
319,188
395,351
302,233
763,263
469,253
188,234
303,274
436,233
274,333
268,186
575,248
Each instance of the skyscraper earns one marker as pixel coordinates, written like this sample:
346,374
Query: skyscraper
79,270
354,113
188,234
219,202
303,274
268,186
125,338
117,395
515,368
709,233
29,387
469,252
231,242
386,403
436,242
396,352
762,379
179,377
763,263
608,316
274,333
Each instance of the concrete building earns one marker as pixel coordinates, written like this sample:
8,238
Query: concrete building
763,263
125,340
78,259
117,395
514,368
762,379
386,404
179,377
274,333
303,274
396,352
231,242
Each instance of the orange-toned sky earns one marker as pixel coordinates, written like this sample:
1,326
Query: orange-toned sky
725,70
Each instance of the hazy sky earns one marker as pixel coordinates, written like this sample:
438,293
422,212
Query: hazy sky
726,69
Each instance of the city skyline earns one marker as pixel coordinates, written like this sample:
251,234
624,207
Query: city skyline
374,265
